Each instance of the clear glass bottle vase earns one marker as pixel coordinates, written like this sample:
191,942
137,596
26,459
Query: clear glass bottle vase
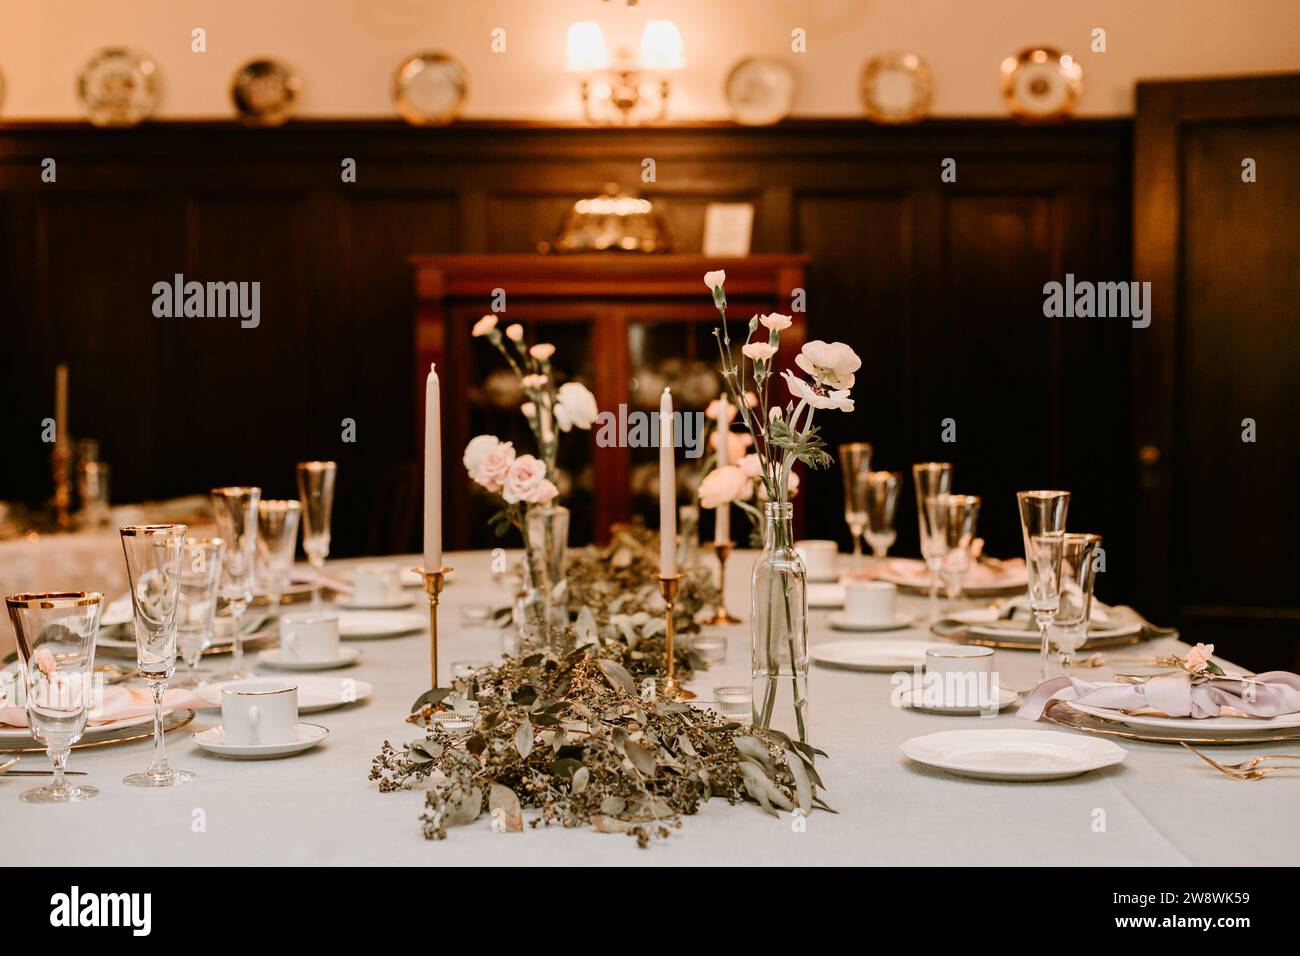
541,607
779,622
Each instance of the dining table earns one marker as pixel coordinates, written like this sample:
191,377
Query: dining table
1160,806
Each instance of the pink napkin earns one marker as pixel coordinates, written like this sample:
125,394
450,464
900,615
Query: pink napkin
982,574
1267,695
119,703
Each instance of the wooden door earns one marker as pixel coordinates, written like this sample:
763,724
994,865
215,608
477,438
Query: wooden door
1217,373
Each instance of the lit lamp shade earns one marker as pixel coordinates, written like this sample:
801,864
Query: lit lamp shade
586,49
661,46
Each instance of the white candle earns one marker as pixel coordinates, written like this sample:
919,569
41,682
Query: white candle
722,517
61,405
432,473
667,489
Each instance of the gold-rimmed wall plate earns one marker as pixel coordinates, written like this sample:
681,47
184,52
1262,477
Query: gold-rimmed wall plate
265,92
118,87
429,89
1041,83
896,87
759,91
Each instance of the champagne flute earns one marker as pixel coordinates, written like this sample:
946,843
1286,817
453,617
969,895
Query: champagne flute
56,654
881,493
959,514
197,607
277,537
931,478
316,492
1078,578
153,565
235,509
1042,524
855,464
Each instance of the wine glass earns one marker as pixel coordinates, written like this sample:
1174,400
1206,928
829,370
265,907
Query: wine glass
958,514
316,492
855,463
931,478
56,653
881,494
1042,523
197,607
1078,577
235,509
277,537
153,565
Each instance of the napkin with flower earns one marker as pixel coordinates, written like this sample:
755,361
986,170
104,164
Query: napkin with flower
118,703
1201,689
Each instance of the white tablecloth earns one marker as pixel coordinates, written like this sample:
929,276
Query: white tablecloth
1162,806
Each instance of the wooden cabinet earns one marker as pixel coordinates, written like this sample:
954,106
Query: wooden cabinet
624,325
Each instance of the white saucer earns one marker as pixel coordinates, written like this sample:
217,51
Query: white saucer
400,603
874,655
914,699
838,621
1012,754
213,740
275,658
367,624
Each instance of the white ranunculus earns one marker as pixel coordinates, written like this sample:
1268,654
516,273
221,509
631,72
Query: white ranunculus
489,460
477,448
829,363
575,407
722,486
818,396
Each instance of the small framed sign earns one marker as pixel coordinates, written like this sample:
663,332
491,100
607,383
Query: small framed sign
728,227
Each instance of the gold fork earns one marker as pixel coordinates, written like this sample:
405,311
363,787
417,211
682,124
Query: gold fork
1247,769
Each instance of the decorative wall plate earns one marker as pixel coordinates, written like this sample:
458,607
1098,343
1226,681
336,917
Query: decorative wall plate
118,87
429,89
896,87
265,92
1041,83
760,92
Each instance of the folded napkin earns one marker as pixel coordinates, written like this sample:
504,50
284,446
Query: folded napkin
1266,695
991,573
1098,615
119,703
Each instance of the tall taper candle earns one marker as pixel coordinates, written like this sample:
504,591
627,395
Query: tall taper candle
667,489
722,516
432,473
61,404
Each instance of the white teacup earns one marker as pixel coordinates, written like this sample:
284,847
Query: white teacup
310,636
376,584
869,602
960,675
255,712
818,558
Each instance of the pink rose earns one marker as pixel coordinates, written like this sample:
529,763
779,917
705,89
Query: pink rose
1198,657
488,460
526,481
722,486
44,661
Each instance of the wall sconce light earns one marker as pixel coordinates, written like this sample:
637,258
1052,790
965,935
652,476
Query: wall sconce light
620,92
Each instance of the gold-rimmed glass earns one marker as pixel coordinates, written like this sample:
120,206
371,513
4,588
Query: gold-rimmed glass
956,516
277,538
881,494
56,656
1069,629
316,493
1042,525
855,464
235,510
153,565
931,478
196,610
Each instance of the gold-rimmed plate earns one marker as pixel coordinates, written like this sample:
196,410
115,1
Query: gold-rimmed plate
1040,83
896,87
759,91
265,92
429,89
118,87
117,734
1060,713
962,634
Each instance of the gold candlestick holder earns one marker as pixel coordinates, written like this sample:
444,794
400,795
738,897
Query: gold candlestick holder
670,688
723,551
433,581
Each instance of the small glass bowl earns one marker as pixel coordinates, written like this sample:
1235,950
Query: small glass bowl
710,647
734,703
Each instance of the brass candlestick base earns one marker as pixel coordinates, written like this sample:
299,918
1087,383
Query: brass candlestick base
723,551
670,688
433,588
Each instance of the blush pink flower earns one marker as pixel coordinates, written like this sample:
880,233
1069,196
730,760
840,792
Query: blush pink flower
776,322
488,461
484,325
44,661
1198,657
758,351
526,482
722,486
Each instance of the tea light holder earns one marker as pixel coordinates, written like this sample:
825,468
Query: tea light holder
711,648
734,703
433,581
670,688
723,550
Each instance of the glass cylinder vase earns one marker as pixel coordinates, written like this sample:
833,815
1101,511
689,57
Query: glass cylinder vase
779,622
541,608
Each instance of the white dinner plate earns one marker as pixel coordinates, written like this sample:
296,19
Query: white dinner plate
23,734
871,655
1021,755
306,736
360,625
841,622
1201,727
276,658
315,692
825,595
914,699
1016,630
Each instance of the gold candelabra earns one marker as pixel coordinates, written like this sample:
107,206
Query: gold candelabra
433,581
670,688
723,551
